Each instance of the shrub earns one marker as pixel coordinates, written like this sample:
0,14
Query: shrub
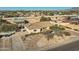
67,33
56,27
76,29
45,19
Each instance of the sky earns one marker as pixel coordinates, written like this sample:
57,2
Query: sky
34,8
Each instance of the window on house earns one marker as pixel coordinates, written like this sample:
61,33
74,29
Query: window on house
40,29
43,28
56,17
35,30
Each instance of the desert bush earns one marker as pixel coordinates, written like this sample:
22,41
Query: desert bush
67,33
45,19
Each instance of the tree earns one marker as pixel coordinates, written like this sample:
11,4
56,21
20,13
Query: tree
51,13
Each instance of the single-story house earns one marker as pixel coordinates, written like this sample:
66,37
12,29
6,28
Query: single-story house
38,27
72,20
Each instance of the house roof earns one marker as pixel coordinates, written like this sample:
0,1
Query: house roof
39,25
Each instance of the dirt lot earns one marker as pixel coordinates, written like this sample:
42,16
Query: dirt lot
36,42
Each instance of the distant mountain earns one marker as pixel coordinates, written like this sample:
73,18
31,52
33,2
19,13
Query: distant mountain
75,8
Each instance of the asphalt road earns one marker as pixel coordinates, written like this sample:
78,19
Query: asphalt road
68,47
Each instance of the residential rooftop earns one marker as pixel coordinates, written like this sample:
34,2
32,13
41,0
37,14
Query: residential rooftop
39,25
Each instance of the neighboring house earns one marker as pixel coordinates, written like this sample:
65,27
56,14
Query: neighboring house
16,20
38,27
72,20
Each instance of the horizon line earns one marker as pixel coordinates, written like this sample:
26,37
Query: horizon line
33,8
